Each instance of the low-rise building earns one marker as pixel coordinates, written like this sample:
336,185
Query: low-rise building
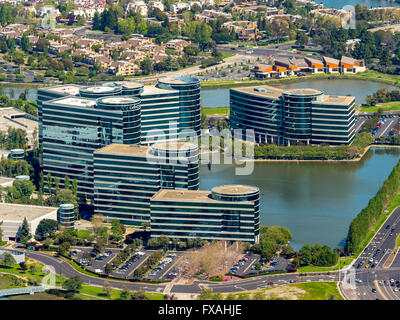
124,68
350,65
179,7
17,119
13,215
137,7
331,65
19,256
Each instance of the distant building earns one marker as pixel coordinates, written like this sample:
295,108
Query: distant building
17,119
287,117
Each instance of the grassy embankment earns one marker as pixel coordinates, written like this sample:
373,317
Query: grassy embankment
386,106
367,223
216,111
344,261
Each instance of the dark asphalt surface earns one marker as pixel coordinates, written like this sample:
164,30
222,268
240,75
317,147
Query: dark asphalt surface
385,240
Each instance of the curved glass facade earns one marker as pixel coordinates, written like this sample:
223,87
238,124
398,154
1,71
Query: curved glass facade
263,115
292,116
126,177
297,115
66,216
189,91
207,215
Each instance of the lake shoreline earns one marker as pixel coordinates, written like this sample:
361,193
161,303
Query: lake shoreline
327,160
366,76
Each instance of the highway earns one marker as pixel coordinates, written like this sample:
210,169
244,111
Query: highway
384,241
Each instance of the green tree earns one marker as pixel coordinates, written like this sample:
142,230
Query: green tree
73,284
25,44
125,294
146,65
24,234
45,229
108,269
96,23
7,260
63,248
116,230
66,182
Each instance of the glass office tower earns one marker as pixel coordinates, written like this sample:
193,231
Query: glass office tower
73,127
127,176
226,213
287,117
297,114
189,91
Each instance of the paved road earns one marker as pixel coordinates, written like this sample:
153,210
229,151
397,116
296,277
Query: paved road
64,268
385,241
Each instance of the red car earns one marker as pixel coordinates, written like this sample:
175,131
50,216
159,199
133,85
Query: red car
270,283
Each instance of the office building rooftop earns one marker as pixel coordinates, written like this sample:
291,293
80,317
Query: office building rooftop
334,100
71,89
17,212
118,100
262,91
185,195
74,101
302,92
235,189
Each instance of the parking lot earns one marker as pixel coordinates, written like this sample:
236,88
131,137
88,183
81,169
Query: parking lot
127,269
164,270
384,127
87,258
247,265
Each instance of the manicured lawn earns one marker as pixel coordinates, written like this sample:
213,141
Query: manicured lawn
37,296
9,281
387,106
227,55
344,261
83,234
398,241
28,275
99,292
221,110
319,291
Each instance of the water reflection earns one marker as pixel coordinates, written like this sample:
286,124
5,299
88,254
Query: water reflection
317,201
